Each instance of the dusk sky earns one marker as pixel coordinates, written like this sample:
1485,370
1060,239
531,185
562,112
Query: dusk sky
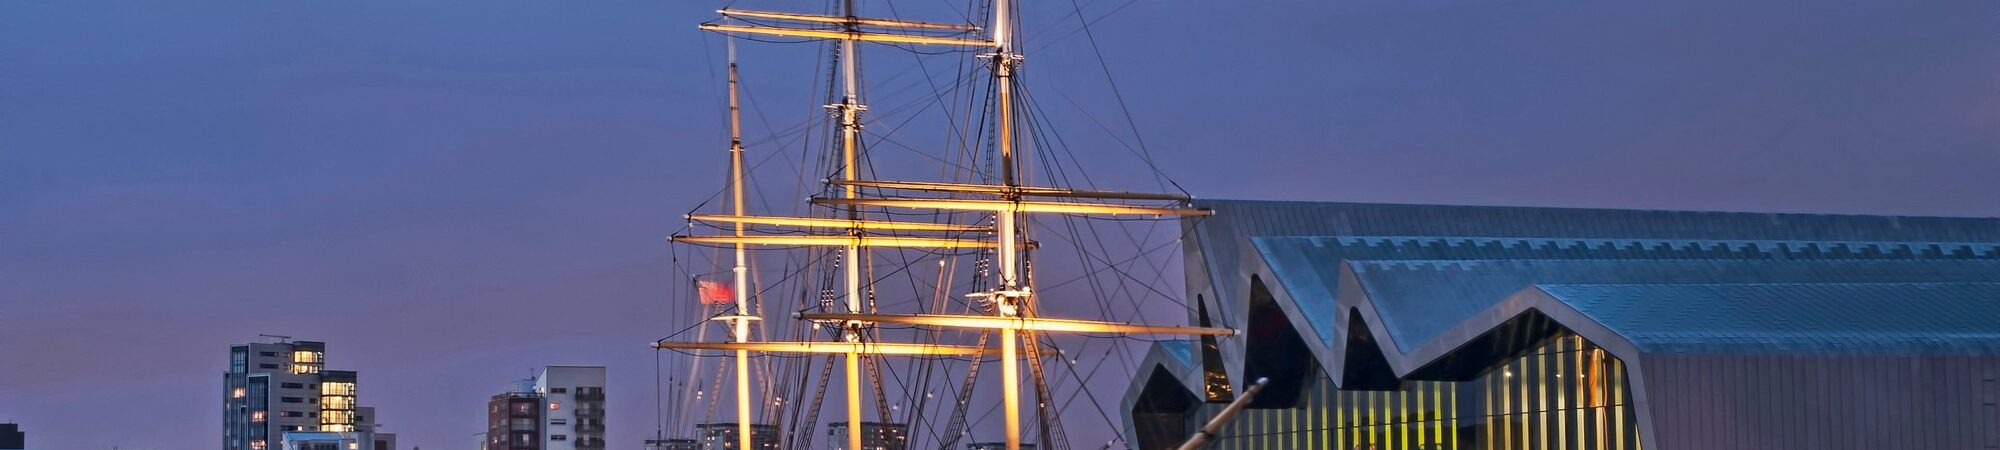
450,193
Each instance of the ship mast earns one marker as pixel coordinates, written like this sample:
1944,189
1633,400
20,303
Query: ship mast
1009,201
849,109
850,130
741,270
1007,299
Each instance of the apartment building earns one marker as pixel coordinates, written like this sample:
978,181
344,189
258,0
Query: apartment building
561,408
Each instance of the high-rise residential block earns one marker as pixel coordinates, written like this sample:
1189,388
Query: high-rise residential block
514,418
561,408
275,388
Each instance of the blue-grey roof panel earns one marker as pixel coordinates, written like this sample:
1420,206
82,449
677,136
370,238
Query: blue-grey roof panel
1181,349
1309,269
1501,250
1310,280
1845,317
1237,221
1420,299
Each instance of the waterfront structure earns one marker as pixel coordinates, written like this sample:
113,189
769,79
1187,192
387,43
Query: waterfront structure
278,387
1470,327
722,436
874,436
560,408
11,437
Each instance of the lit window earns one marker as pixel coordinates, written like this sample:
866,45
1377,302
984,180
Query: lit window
256,416
236,393
336,388
554,405
306,361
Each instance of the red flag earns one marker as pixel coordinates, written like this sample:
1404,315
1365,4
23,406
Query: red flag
713,292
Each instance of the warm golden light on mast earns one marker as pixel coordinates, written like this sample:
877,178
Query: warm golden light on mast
741,324
870,241
859,21
1019,323
816,222
1009,296
998,190
1016,206
844,35
827,348
1012,288
850,108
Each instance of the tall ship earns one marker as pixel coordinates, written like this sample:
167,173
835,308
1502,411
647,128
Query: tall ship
872,313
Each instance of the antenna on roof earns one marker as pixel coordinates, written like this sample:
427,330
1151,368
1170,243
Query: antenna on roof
281,339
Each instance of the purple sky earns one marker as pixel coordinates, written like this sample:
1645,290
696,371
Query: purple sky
450,193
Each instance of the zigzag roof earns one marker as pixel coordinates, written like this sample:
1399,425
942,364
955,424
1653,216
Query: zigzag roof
1427,280
1236,221
1421,299
1822,317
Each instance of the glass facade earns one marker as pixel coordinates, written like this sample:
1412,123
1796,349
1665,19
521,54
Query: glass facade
308,361
337,402
259,403
1567,394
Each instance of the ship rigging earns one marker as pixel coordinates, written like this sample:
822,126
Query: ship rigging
982,211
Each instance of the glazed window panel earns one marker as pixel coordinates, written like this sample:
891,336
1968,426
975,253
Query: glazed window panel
1567,394
336,388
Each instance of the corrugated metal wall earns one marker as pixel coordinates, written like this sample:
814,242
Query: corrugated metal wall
1834,402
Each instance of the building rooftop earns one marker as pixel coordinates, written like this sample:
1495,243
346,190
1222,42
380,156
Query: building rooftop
1422,283
1815,317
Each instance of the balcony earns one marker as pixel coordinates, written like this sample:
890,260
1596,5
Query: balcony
590,428
590,412
590,443
589,396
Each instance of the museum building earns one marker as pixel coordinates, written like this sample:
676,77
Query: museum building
1384,326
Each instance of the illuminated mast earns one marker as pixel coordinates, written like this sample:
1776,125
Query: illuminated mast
1007,300
849,110
742,271
1009,201
850,130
